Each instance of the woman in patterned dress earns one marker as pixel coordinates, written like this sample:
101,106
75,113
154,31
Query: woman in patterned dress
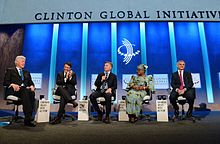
137,89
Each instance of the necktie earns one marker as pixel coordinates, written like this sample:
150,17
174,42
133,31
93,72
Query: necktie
21,74
106,76
181,81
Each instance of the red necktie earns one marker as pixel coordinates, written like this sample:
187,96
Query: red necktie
181,81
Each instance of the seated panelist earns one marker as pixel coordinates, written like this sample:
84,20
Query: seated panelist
66,82
18,82
182,85
106,84
138,87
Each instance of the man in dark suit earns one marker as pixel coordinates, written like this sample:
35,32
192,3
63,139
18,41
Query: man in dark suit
106,84
66,82
182,85
18,82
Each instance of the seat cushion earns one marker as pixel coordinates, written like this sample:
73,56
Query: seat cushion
102,99
57,97
13,98
181,98
147,98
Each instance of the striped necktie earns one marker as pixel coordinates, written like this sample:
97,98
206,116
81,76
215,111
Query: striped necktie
21,74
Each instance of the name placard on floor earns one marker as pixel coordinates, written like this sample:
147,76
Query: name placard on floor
122,115
162,110
43,111
83,110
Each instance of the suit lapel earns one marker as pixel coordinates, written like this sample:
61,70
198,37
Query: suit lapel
16,71
184,76
62,76
178,77
110,74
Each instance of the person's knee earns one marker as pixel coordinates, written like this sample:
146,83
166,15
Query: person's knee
108,96
172,99
92,96
190,95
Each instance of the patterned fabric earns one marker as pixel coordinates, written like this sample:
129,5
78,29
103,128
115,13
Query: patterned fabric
134,98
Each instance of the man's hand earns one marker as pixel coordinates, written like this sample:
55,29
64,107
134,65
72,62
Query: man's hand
15,87
67,75
32,88
109,90
103,78
181,92
70,74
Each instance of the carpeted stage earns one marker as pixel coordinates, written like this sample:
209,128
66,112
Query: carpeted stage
206,131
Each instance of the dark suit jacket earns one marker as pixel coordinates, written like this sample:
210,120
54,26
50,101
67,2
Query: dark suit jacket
12,76
111,81
69,84
187,77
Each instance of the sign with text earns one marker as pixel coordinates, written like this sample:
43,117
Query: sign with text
196,80
161,81
43,111
83,110
162,110
41,11
37,79
93,78
125,79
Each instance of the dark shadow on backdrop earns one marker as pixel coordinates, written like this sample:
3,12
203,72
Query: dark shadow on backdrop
11,43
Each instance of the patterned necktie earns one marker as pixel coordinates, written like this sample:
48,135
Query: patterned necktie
106,76
21,74
181,81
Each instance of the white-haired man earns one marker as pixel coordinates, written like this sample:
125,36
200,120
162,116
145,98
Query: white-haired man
182,85
18,82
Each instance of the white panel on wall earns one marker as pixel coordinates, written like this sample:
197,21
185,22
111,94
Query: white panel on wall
93,78
37,79
196,80
125,79
161,81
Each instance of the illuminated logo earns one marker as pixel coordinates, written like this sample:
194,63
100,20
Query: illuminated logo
129,51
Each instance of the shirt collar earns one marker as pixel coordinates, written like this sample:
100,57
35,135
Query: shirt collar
107,72
18,68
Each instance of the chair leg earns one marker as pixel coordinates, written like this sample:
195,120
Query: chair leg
141,113
183,111
16,113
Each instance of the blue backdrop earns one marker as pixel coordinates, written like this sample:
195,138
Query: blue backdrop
90,44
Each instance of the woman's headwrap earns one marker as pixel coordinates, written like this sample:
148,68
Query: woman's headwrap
142,67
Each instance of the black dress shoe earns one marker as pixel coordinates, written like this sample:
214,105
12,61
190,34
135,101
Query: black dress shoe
189,114
75,104
29,124
107,120
56,121
99,118
134,119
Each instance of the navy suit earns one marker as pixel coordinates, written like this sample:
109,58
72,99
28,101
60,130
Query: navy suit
112,83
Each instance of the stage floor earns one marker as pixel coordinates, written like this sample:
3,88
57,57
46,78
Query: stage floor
202,132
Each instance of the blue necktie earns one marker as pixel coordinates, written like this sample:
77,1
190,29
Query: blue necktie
21,74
